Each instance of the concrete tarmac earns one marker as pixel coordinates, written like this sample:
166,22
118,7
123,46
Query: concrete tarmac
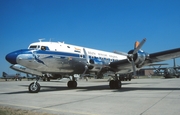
137,97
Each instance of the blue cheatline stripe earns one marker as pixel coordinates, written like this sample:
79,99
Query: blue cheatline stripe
56,53
66,54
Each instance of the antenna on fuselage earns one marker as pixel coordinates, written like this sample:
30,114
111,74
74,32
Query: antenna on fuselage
50,39
40,40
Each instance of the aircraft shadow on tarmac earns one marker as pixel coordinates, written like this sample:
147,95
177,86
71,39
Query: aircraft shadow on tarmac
92,88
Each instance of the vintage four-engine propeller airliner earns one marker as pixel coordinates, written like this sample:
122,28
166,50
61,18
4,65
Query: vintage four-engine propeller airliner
58,58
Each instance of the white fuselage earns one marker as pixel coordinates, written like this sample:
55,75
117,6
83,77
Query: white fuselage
92,53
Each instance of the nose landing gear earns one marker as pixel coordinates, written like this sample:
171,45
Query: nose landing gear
34,87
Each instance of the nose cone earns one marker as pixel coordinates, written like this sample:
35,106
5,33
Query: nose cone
11,57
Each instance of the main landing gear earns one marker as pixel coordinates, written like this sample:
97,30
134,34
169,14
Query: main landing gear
115,84
34,87
72,83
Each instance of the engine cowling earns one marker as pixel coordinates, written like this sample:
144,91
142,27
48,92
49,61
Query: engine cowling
139,58
97,61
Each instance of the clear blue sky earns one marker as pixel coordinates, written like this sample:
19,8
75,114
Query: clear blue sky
102,24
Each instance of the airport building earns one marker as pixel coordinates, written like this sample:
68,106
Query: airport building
144,72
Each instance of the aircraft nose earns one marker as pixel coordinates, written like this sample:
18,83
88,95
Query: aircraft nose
11,57
14,56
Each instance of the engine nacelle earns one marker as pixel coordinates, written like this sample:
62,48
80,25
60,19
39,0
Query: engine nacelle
139,58
98,61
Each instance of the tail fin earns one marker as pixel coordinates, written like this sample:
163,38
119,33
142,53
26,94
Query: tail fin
4,74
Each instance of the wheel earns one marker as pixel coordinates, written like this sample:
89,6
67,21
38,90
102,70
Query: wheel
115,84
69,84
34,88
112,84
72,84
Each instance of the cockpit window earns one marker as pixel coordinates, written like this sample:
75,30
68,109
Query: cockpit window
44,48
38,47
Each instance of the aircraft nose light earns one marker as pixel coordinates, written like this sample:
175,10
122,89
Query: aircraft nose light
11,58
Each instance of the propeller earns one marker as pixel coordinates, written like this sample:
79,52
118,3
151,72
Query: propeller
86,55
137,47
87,60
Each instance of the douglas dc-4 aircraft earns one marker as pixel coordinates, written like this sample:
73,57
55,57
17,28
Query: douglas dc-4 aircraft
58,58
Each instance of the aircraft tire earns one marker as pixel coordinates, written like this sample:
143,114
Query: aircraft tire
115,84
72,84
112,84
34,89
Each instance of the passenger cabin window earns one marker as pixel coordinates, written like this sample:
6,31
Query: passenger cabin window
33,47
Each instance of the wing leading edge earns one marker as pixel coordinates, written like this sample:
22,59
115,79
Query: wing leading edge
164,55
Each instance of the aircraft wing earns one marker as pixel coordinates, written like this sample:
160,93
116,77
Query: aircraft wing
164,55
150,59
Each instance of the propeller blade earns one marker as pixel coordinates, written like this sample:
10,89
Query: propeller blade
86,55
83,74
133,66
121,53
139,46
